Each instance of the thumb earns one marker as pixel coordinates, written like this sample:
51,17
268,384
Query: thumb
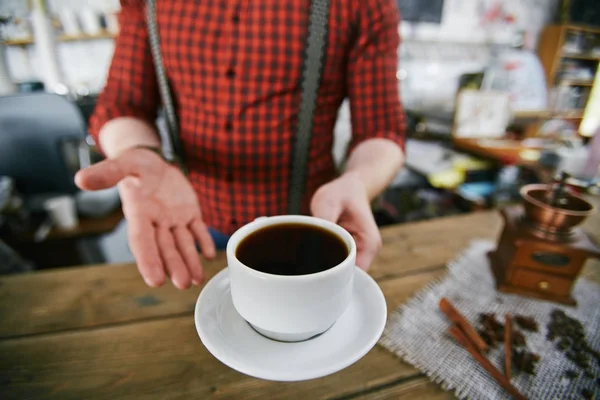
104,174
326,208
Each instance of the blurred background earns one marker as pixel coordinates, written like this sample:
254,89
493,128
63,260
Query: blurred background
497,94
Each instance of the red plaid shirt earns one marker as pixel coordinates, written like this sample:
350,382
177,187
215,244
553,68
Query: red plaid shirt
235,67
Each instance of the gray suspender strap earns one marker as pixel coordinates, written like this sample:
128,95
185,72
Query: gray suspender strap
163,86
311,79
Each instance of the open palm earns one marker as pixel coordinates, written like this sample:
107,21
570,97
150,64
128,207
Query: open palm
163,215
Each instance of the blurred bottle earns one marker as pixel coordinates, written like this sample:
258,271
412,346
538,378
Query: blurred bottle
15,217
45,45
507,185
7,86
592,167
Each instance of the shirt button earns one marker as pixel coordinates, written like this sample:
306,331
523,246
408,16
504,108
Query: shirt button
234,221
230,73
236,19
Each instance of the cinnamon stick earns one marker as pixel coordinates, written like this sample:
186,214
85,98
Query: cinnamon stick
462,339
455,316
507,345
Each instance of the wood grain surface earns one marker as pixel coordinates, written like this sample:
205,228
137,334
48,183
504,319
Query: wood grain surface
99,332
411,388
164,358
86,297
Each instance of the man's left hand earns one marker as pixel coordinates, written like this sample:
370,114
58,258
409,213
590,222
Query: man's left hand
345,201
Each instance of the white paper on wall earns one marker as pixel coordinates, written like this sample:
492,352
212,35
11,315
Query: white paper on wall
483,114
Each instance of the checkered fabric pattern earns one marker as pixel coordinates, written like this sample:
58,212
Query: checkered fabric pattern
235,68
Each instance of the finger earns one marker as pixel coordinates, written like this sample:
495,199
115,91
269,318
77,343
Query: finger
365,256
207,245
326,207
171,259
105,174
143,245
187,248
368,239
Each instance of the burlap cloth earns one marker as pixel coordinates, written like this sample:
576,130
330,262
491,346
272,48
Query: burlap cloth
416,332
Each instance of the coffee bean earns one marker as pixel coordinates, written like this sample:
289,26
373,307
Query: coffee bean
571,374
527,323
588,374
525,361
489,339
582,360
493,331
562,345
518,339
572,341
587,394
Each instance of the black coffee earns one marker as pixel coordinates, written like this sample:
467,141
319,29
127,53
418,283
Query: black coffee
291,249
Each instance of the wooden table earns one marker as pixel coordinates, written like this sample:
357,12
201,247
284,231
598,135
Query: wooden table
99,332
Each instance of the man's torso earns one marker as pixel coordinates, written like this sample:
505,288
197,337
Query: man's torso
235,70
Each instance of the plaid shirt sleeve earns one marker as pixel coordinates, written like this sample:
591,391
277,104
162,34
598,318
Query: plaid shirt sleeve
131,89
373,91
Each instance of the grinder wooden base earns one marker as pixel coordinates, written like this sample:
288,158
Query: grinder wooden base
497,270
525,264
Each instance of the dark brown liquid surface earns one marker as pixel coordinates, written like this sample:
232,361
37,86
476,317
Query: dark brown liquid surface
291,249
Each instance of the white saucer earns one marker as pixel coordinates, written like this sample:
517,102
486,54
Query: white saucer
232,341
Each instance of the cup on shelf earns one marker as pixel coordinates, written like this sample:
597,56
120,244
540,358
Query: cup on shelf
90,21
69,22
112,22
62,211
19,28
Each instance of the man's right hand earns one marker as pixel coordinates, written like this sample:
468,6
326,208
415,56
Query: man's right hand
162,212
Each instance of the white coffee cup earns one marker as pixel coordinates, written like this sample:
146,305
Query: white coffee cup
291,308
62,211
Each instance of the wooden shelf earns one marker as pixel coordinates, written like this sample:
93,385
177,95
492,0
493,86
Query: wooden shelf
18,42
576,82
589,57
538,114
573,114
63,38
75,38
506,152
583,28
552,54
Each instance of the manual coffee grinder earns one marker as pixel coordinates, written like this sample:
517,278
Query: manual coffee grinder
542,248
